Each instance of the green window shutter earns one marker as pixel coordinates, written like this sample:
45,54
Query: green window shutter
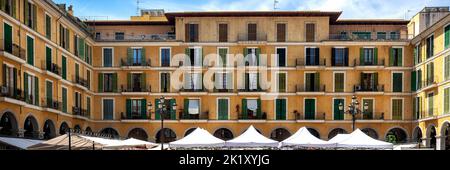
157,111
81,46
48,57
361,56
26,11
186,107
25,86
447,37
375,56
447,68
391,57
258,52
64,100
446,101
400,57
30,50
173,113
36,91
317,81
8,38
397,82
114,85
244,109
282,82
258,111
143,57
64,67
34,17
129,81
48,26
144,81
310,109
100,82
49,90
413,81
223,55
144,108
129,56
14,6
245,52
338,114
223,109
128,108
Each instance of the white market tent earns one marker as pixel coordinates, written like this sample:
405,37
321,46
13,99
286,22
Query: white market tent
303,138
338,138
130,143
19,143
199,138
359,140
251,139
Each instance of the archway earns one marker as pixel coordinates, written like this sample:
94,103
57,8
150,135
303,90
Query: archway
417,135
88,129
169,135
370,132
63,128
110,132
31,128
396,135
314,132
335,132
49,129
431,135
445,135
224,134
189,131
280,134
8,125
138,133
77,128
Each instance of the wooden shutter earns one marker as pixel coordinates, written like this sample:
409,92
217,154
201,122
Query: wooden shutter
281,32
223,32
48,58
361,56
375,56
64,100
144,108
114,85
8,38
251,32
100,82
446,100
36,91
128,108
64,67
310,32
30,50
413,81
244,109
187,32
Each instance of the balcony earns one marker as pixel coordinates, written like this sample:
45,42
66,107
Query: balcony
135,116
371,116
81,81
78,111
193,90
15,50
53,104
223,90
131,63
201,116
427,83
251,90
249,37
250,116
52,67
301,62
135,89
310,88
372,37
309,117
11,93
360,63
136,38
368,88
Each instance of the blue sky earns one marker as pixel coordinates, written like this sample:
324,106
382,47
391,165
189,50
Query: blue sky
123,9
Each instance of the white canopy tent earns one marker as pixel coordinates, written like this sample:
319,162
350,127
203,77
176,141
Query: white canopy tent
19,143
251,138
359,140
199,138
338,138
303,138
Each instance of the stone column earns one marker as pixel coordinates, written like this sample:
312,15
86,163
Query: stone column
426,142
440,142
21,133
41,135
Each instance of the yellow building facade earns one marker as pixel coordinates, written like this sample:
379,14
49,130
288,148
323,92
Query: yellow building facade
60,73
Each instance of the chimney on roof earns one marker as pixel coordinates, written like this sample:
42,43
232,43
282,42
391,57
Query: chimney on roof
70,10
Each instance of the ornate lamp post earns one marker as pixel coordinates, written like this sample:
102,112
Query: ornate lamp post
162,111
353,109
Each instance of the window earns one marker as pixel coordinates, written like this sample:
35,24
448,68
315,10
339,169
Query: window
64,100
397,82
195,56
251,109
396,57
119,36
312,82
417,54
165,57
8,38
88,105
251,81
222,109
431,109
108,82
430,74
381,35
135,57
281,32
48,26
49,93
447,36
368,56
339,57
136,82
169,103
77,100
191,34
282,82
108,109
430,46
309,109
64,67
223,32
193,81
64,37
193,106
447,100
281,57
77,73
31,89
369,112
312,56
223,81
88,79
48,59
252,56
88,54
420,84
417,107
107,57
30,50
339,82
79,46
310,32
165,82
223,60
9,7
252,32
397,109
98,36
280,109
447,68
363,35
9,80
30,15
136,106
369,82
337,113
395,35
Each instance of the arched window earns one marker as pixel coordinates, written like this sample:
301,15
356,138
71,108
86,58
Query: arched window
169,136
224,134
335,132
280,134
138,133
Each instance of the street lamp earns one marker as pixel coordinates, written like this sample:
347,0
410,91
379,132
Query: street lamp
353,109
163,108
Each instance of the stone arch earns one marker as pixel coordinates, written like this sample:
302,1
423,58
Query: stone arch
445,135
396,135
224,134
110,132
169,135
77,128
189,131
88,129
31,127
370,132
335,132
49,129
138,133
314,132
63,128
280,134
417,135
8,124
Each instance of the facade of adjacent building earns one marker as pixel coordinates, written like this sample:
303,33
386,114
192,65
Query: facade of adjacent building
58,72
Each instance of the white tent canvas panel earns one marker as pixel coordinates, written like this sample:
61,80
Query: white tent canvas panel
199,138
303,138
251,138
359,139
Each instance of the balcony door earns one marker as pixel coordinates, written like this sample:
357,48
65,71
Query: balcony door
251,32
338,114
310,109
